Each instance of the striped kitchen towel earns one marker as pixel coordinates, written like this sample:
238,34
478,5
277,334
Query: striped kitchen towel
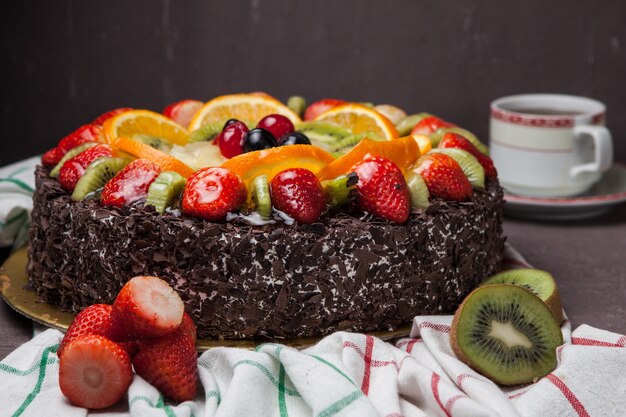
345,374
17,183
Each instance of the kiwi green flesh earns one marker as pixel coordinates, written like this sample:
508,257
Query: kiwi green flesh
407,124
541,283
323,135
153,141
418,190
97,174
261,196
506,333
208,132
437,136
297,104
165,190
472,169
69,155
338,189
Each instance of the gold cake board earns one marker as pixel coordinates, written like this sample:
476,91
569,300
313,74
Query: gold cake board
23,299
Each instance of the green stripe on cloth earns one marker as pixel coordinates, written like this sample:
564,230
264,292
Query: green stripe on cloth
337,406
19,171
43,364
213,394
325,362
19,183
11,370
267,373
160,405
282,402
20,216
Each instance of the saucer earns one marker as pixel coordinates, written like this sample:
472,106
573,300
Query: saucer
609,191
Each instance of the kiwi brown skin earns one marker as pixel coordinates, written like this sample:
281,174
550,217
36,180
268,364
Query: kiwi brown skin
454,343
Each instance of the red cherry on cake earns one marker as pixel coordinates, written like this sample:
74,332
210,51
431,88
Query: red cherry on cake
170,363
454,140
429,124
382,189
210,193
298,193
106,116
183,111
130,184
75,167
94,372
277,124
319,107
444,177
230,140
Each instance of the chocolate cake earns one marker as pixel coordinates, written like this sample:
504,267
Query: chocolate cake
348,271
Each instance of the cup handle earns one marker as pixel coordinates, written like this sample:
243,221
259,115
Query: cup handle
603,149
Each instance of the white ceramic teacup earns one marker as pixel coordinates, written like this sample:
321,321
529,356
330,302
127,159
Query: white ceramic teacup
549,145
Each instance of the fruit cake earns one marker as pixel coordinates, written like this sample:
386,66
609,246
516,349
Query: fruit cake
268,226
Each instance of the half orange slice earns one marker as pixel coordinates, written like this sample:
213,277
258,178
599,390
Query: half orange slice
145,122
360,119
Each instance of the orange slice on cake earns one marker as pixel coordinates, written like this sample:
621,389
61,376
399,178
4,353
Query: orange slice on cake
360,119
142,151
251,107
274,160
144,122
403,151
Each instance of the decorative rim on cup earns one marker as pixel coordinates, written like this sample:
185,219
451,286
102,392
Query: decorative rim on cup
550,121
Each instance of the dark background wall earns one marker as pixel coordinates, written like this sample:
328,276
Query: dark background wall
65,62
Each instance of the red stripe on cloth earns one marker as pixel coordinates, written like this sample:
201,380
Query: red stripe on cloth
411,344
576,404
621,342
519,394
369,347
434,386
394,415
439,327
452,400
373,362
461,377
559,351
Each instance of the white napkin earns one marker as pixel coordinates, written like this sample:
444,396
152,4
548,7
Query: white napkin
17,183
345,374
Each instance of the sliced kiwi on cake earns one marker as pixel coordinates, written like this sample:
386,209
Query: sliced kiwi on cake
261,196
206,133
418,190
165,190
338,189
438,134
324,135
97,174
472,169
153,141
540,283
506,333
407,124
69,155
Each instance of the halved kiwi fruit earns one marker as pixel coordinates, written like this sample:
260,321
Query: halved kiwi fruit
472,169
164,190
153,141
418,190
407,124
506,333
261,196
437,136
338,189
97,174
540,283
69,155
323,135
208,132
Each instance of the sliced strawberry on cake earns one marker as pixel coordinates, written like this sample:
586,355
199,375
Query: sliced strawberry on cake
298,193
444,177
75,167
454,140
211,193
183,111
130,184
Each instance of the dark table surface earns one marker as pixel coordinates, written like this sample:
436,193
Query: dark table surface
587,257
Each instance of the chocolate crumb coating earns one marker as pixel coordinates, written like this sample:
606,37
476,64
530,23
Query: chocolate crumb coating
350,272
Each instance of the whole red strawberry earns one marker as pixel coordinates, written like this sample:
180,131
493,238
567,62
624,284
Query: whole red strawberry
454,140
382,189
429,124
106,116
298,193
444,177
319,107
148,307
210,193
130,184
170,364
183,111
75,167
188,326
96,319
84,134
94,372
